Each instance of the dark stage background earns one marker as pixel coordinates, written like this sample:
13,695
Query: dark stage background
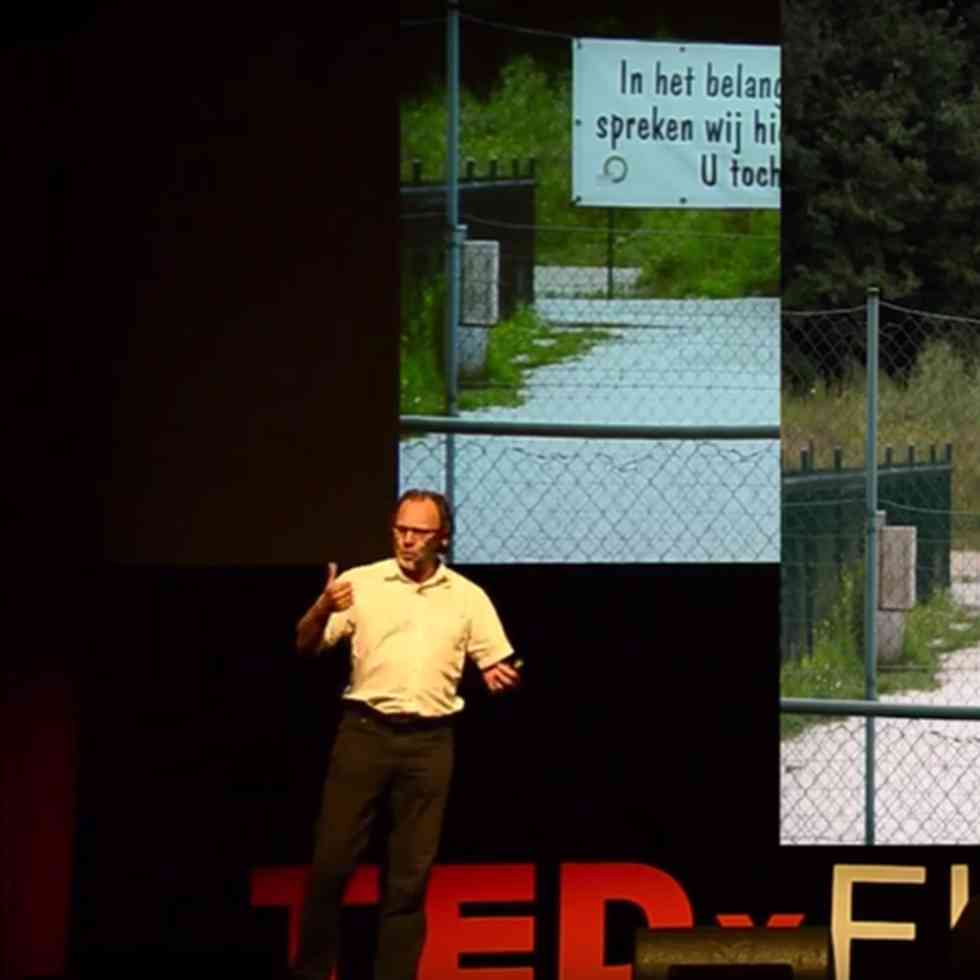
201,408
203,752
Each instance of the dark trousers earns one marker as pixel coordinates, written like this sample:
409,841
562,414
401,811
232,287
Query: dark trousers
376,763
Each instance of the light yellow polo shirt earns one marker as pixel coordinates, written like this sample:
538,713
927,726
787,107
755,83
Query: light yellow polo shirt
409,640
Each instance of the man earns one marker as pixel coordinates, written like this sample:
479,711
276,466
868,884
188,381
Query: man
411,622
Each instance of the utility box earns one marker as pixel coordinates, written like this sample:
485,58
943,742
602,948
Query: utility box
896,567
479,304
896,587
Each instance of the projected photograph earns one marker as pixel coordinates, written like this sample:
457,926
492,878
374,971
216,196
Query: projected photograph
590,364
881,332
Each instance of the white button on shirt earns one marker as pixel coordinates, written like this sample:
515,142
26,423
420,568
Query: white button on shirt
409,640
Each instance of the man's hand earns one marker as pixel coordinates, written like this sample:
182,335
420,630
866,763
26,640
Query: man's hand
336,596
501,677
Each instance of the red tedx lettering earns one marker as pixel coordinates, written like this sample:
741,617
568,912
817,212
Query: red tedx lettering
449,932
449,887
585,890
793,921
287,887
773,922
734,921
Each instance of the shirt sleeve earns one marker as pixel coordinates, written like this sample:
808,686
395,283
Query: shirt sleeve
488,643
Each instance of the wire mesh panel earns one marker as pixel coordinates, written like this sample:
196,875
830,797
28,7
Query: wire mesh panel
927,406
552,499
929,389
927,602
823,419
650,316
927,775
655,361
662,362
822,777
821,555
574,357
592,344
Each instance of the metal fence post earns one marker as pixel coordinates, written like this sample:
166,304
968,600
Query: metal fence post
871,561
455,237
610,252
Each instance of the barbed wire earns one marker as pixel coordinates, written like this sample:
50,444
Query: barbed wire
532,31
845,311
630,232
931,316
621,235
561,36
704,447
928,510
895,307
515,29
813,504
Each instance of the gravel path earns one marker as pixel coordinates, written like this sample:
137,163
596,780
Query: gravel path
928,771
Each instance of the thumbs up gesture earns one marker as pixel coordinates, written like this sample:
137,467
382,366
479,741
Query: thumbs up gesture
337,595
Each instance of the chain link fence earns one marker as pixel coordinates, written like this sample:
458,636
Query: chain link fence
598,498
592,346
927,782
593,317
927,595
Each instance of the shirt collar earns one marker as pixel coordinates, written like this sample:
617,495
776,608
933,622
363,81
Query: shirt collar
438,577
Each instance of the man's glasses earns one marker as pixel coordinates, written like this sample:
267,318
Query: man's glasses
403,530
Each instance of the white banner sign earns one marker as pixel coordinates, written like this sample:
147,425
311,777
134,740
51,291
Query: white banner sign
669,125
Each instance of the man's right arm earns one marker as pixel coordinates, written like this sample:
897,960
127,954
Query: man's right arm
335,597
309,630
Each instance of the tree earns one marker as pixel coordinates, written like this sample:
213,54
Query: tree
881,154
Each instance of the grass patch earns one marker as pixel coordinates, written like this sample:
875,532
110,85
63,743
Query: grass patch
939,403
708,255
932,630
835,670
517,346
421,382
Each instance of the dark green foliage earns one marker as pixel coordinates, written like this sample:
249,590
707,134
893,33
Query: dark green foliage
527,114
881,154
423,316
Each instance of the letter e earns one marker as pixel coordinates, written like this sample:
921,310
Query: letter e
450,934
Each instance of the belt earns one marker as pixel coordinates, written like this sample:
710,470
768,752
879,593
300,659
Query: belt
399,720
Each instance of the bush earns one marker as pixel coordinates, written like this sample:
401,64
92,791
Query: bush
422,386
710,254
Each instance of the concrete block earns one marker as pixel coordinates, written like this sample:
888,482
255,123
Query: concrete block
480,299
896,567
889,633
479,305
473,342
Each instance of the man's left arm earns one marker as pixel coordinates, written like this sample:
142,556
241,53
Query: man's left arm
501,677
488,645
